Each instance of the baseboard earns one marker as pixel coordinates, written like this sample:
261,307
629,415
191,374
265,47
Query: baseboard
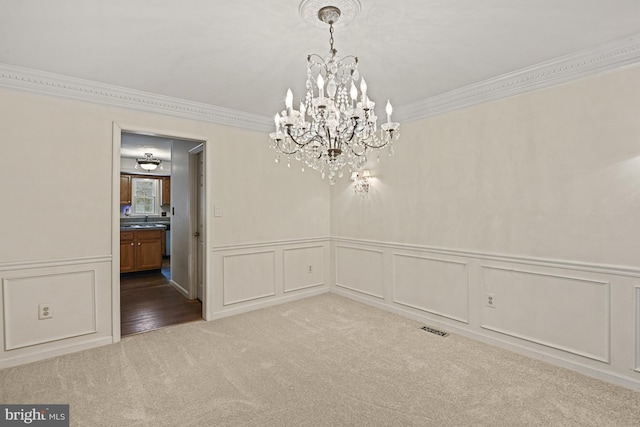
601,374
46,354
179,288
272,301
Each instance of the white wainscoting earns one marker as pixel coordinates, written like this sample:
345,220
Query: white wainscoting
301,268
637,328
22,325
565,312
582,316
435,285
256,275
78,290
360,270
248,276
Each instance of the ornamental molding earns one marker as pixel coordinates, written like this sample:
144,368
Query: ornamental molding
619,53
45,83
613,55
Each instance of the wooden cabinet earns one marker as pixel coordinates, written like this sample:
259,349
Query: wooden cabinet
141,250
127,251
125,189
166,190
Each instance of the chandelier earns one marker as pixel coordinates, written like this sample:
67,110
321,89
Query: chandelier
335,125
148,162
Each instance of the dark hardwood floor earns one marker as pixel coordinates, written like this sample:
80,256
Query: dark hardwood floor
148,302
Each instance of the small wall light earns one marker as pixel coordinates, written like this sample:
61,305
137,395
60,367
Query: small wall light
361,181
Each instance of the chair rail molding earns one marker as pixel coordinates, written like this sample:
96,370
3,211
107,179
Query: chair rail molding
619,270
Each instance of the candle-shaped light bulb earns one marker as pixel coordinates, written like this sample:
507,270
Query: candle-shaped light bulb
288,102
276,120
320,86
354,95
363,89
354,91
389,110
303,111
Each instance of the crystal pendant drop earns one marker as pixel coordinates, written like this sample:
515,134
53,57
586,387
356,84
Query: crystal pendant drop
331,87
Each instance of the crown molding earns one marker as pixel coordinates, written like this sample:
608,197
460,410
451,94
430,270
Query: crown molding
619,53
44,83
613,55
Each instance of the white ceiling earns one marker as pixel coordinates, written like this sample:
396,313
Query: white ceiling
135,146
244,54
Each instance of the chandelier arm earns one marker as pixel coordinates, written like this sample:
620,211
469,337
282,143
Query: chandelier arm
320,62
353,128
354,152
299,144
319,67
283,151
355,58
310,56
373,146
328,131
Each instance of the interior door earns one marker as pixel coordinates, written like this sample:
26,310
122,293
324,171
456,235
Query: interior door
200,225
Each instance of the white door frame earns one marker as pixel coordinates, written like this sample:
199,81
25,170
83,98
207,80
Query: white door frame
118,128
193,220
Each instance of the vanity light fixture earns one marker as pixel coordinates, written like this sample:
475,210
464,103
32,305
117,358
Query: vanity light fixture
148,162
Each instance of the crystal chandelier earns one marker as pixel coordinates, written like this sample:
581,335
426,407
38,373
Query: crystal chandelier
336,125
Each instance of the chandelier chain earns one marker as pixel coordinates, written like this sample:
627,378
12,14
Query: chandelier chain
331,49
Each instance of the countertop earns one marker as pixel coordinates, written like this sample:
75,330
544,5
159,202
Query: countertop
142,226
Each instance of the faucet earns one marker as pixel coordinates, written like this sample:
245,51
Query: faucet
146,218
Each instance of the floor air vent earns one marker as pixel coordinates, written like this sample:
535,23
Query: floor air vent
434,331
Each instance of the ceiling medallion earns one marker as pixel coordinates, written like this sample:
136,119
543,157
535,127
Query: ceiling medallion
335,125
349,9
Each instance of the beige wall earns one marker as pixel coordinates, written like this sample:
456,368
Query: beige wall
56,221
58,205
552,174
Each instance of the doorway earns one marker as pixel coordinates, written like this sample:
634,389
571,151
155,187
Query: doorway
174,293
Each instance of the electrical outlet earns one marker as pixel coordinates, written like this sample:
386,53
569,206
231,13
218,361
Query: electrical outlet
310,269
45,311
491,300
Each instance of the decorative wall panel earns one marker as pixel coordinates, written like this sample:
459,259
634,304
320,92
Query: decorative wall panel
303,267
560,311
248,276
436,285
71,296
360,270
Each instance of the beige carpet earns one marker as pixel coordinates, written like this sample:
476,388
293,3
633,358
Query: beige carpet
325,361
